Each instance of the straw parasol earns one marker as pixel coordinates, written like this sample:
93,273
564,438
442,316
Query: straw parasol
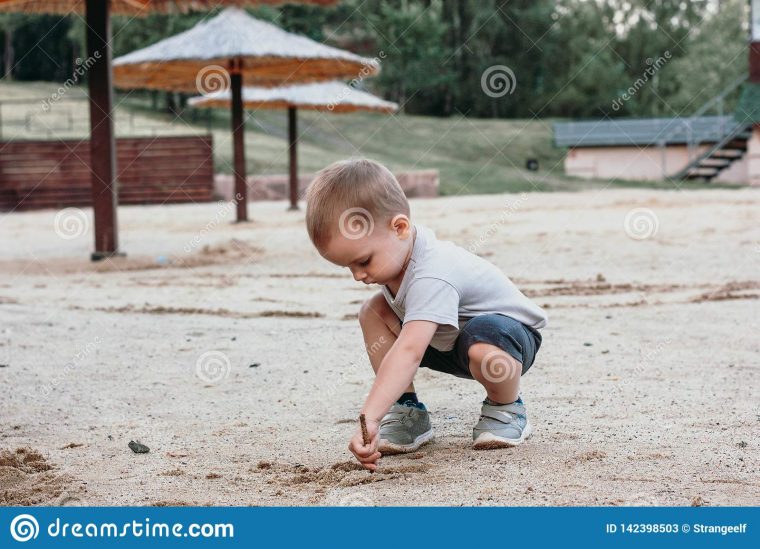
102,142
221,52
328,96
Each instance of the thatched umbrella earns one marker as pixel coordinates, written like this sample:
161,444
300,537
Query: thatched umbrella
102,142
221,53
328,96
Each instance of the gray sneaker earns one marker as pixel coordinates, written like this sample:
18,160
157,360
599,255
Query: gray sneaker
404,429
501,426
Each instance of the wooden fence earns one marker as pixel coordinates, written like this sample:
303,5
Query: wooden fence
152,170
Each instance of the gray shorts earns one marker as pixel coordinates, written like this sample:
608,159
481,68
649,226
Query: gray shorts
512,336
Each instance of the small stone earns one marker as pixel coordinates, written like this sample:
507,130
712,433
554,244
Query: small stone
4,365
254,365
587,344
742,444
697,501
233,338
605,351
138,447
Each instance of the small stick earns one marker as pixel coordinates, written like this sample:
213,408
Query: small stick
365,434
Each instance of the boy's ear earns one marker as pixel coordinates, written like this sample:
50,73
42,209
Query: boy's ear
402,226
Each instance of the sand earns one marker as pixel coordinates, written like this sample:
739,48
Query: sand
233,352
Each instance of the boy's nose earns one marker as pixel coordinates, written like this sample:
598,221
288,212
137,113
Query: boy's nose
359,275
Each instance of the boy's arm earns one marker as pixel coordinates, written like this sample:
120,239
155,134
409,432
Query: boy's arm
398,367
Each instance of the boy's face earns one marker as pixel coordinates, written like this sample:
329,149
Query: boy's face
374,258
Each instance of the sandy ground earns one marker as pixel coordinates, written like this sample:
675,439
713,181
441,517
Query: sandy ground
233,352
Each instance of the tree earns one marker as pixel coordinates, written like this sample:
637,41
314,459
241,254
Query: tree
716,55
410,43
9,22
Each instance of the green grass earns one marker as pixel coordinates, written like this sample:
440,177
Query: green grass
473,156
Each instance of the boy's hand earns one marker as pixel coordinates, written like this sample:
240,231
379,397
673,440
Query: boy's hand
366,454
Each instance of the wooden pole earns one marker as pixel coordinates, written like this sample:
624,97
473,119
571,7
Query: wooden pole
102,142
238,136
292,146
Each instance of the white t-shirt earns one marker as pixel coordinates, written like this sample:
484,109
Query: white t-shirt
448,285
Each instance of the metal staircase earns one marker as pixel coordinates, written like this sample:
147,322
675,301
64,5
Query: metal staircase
720,156
730,148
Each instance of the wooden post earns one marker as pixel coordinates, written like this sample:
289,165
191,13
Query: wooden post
292,147
238,137
102,142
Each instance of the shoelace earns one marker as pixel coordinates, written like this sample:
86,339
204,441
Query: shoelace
396,416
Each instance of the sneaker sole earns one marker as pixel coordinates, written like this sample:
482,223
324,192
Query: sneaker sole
389,448
489,441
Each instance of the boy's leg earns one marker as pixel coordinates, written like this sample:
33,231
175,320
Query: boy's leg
489,345
497,371
405,427
381,327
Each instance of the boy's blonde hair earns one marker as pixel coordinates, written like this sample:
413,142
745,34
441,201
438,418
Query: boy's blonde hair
357,187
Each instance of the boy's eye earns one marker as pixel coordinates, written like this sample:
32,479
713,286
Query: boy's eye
365,262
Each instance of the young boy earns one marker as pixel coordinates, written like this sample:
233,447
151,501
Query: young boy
441,307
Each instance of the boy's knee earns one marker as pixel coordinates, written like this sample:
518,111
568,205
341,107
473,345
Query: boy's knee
492,363
374,310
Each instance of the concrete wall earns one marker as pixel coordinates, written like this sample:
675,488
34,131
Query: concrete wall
656,163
